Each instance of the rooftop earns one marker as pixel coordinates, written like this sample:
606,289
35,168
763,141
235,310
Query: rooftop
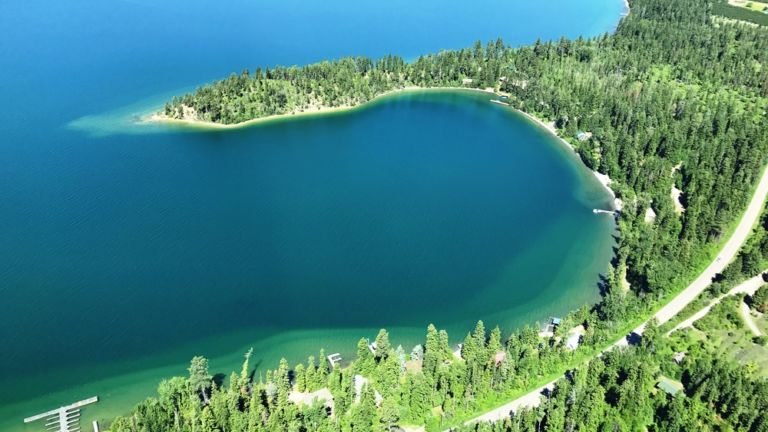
670,386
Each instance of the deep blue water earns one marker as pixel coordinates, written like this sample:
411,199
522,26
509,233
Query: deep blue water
117,249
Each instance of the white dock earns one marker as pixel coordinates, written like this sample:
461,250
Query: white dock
601,211
63,419
334,359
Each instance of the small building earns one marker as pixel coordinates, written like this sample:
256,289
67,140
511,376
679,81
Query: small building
583,136
499,358
467,81
670,386
678,357
548,330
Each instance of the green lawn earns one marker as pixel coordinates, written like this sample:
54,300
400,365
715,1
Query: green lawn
741,13
751,5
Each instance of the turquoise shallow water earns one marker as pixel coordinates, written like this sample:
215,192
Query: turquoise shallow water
124,254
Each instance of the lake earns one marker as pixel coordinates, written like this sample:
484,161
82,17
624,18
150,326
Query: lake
128,249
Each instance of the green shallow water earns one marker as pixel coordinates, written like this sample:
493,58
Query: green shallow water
292,236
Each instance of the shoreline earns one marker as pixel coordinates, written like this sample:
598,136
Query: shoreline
603,179
158,118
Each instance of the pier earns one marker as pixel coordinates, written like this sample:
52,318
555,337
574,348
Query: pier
334,359
601,211
63,419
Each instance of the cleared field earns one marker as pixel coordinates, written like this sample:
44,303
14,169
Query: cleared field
751,5
723,331
741,12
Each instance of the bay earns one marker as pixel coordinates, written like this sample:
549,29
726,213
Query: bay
124,254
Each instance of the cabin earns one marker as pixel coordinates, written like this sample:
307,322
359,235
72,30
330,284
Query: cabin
583,136
678,357
467,81
669,386
548,330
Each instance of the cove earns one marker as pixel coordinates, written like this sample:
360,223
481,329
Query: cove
419,208
125,254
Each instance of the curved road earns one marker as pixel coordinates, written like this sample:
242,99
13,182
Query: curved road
747,287
727,253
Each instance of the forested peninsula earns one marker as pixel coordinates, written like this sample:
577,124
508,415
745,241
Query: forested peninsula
672,107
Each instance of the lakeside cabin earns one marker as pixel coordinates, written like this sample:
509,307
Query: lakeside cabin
583,136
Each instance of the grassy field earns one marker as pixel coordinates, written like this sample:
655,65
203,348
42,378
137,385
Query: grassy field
751,5
741,13
723,332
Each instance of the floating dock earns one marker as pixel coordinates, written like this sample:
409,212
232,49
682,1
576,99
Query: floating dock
63,419
601,211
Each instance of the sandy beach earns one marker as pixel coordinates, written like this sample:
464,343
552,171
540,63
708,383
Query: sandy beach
157,117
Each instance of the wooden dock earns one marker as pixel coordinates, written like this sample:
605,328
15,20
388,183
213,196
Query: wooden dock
63,419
